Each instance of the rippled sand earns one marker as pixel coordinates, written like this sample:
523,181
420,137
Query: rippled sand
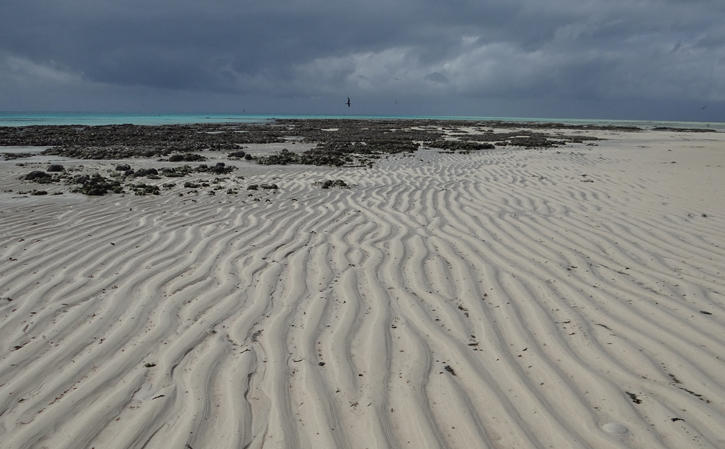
571,297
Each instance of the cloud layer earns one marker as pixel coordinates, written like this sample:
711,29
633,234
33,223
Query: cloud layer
648,59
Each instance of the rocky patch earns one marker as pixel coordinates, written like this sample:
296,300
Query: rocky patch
96,185
353,142
329,183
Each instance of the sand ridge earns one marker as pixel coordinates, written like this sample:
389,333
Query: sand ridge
568,297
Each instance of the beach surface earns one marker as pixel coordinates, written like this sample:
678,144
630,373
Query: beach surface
569,297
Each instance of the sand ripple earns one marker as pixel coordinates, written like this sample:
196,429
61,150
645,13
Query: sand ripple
501,299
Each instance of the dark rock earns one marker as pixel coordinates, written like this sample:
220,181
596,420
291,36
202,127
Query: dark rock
248,157
141,172
453,145
684,130
96,185
330,183
219,169
189,157
12,156
55,168
253,187
38,176
269,186
176,172
144,189
236,155
123,167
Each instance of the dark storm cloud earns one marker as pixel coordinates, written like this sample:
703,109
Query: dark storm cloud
560,57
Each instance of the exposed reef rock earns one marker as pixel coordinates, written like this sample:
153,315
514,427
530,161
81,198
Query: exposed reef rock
339,142
453,145
684,130
329,183
40,177
96,185
189,157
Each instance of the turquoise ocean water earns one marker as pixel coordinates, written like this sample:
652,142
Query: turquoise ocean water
40,118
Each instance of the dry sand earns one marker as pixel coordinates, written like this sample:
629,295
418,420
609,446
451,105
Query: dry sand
564,298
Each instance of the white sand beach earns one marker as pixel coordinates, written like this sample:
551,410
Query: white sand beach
571,297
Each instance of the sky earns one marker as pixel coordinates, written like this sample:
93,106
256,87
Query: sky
588,59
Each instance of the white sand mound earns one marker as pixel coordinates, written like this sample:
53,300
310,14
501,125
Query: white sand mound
615,428
571,297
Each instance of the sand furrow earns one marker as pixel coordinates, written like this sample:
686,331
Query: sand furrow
506,298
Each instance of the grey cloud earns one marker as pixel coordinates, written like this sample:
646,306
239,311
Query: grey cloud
436,77
578,57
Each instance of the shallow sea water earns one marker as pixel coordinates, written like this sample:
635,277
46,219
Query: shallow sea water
90,119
